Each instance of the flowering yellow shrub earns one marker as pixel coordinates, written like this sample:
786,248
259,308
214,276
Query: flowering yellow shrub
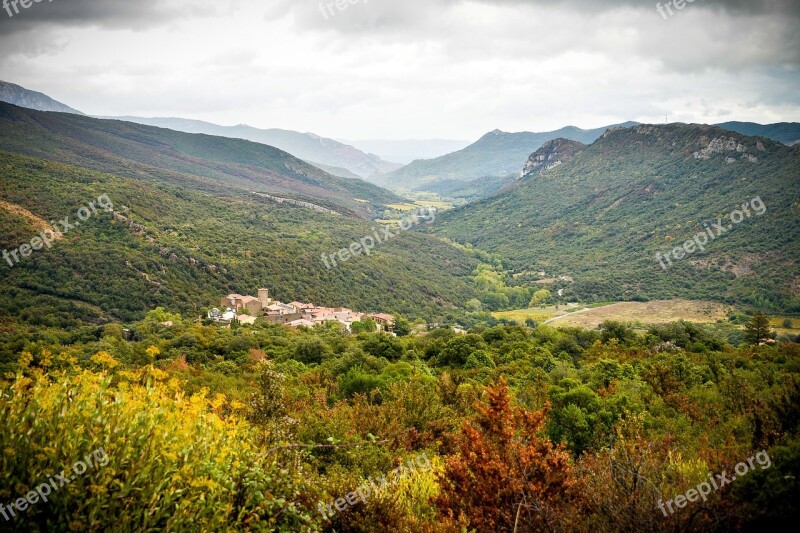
172,462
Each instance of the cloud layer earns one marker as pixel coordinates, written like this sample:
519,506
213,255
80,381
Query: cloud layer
417,68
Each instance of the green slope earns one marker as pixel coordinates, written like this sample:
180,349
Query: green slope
495,154
306,146
602,216
194,161
190,248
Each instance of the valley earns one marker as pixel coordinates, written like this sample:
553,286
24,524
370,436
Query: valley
212,319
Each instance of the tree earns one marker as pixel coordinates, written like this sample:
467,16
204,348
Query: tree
460,348
402,328
505,477
757,330
370,325
540,297
383,345
312,351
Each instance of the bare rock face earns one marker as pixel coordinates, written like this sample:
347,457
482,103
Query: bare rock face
550,155
725,145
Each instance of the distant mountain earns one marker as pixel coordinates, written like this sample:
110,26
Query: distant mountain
335,171
199,162
785,132
599,218
14,94
306,146
495,154
406,151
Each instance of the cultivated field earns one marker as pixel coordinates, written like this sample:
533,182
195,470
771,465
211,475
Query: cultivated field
657,312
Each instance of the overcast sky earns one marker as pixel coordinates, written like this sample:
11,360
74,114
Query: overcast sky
402,69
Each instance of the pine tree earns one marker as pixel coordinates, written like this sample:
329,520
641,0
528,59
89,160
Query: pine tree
757,329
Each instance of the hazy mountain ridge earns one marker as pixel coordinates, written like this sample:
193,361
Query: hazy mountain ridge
497,153
14,94
306,146
601,217
194,160
785,132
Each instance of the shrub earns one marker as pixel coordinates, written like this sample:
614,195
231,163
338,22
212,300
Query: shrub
174,462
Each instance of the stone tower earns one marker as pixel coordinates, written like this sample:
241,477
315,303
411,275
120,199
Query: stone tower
263,297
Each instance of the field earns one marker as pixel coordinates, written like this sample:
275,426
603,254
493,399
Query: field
780,323
657,312
538,314
435,204
401,207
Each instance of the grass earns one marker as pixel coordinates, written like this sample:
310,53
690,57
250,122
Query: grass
402,207
437,205
777,323
520,315
656,312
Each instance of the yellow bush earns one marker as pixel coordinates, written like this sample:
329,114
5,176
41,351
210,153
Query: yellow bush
172,462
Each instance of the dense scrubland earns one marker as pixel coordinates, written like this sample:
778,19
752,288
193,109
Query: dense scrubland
526,429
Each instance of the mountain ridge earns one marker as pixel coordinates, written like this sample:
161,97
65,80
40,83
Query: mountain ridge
196,160
12,93
600,218
496,153
307,146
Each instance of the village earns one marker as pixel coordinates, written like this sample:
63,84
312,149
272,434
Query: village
249,309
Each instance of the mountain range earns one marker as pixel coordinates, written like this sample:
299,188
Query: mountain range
594,223
496,154
201,162
785,132
319,151
587,217
187,228
309,147
495,159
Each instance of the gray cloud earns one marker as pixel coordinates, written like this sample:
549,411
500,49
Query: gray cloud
379,15
114,14
391,68
718,34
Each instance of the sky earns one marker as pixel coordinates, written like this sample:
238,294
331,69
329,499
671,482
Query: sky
411,69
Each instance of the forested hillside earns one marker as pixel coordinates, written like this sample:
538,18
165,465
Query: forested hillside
192,161
167,245
601,218
496,154
306,146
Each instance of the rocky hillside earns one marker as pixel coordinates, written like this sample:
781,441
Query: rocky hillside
496,154
595,223
20,96
550,155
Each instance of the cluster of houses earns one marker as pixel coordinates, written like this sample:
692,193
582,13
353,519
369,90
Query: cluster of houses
248,309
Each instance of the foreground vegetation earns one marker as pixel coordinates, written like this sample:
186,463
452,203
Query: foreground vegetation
526,429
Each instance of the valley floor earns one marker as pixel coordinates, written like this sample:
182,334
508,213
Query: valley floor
591,316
